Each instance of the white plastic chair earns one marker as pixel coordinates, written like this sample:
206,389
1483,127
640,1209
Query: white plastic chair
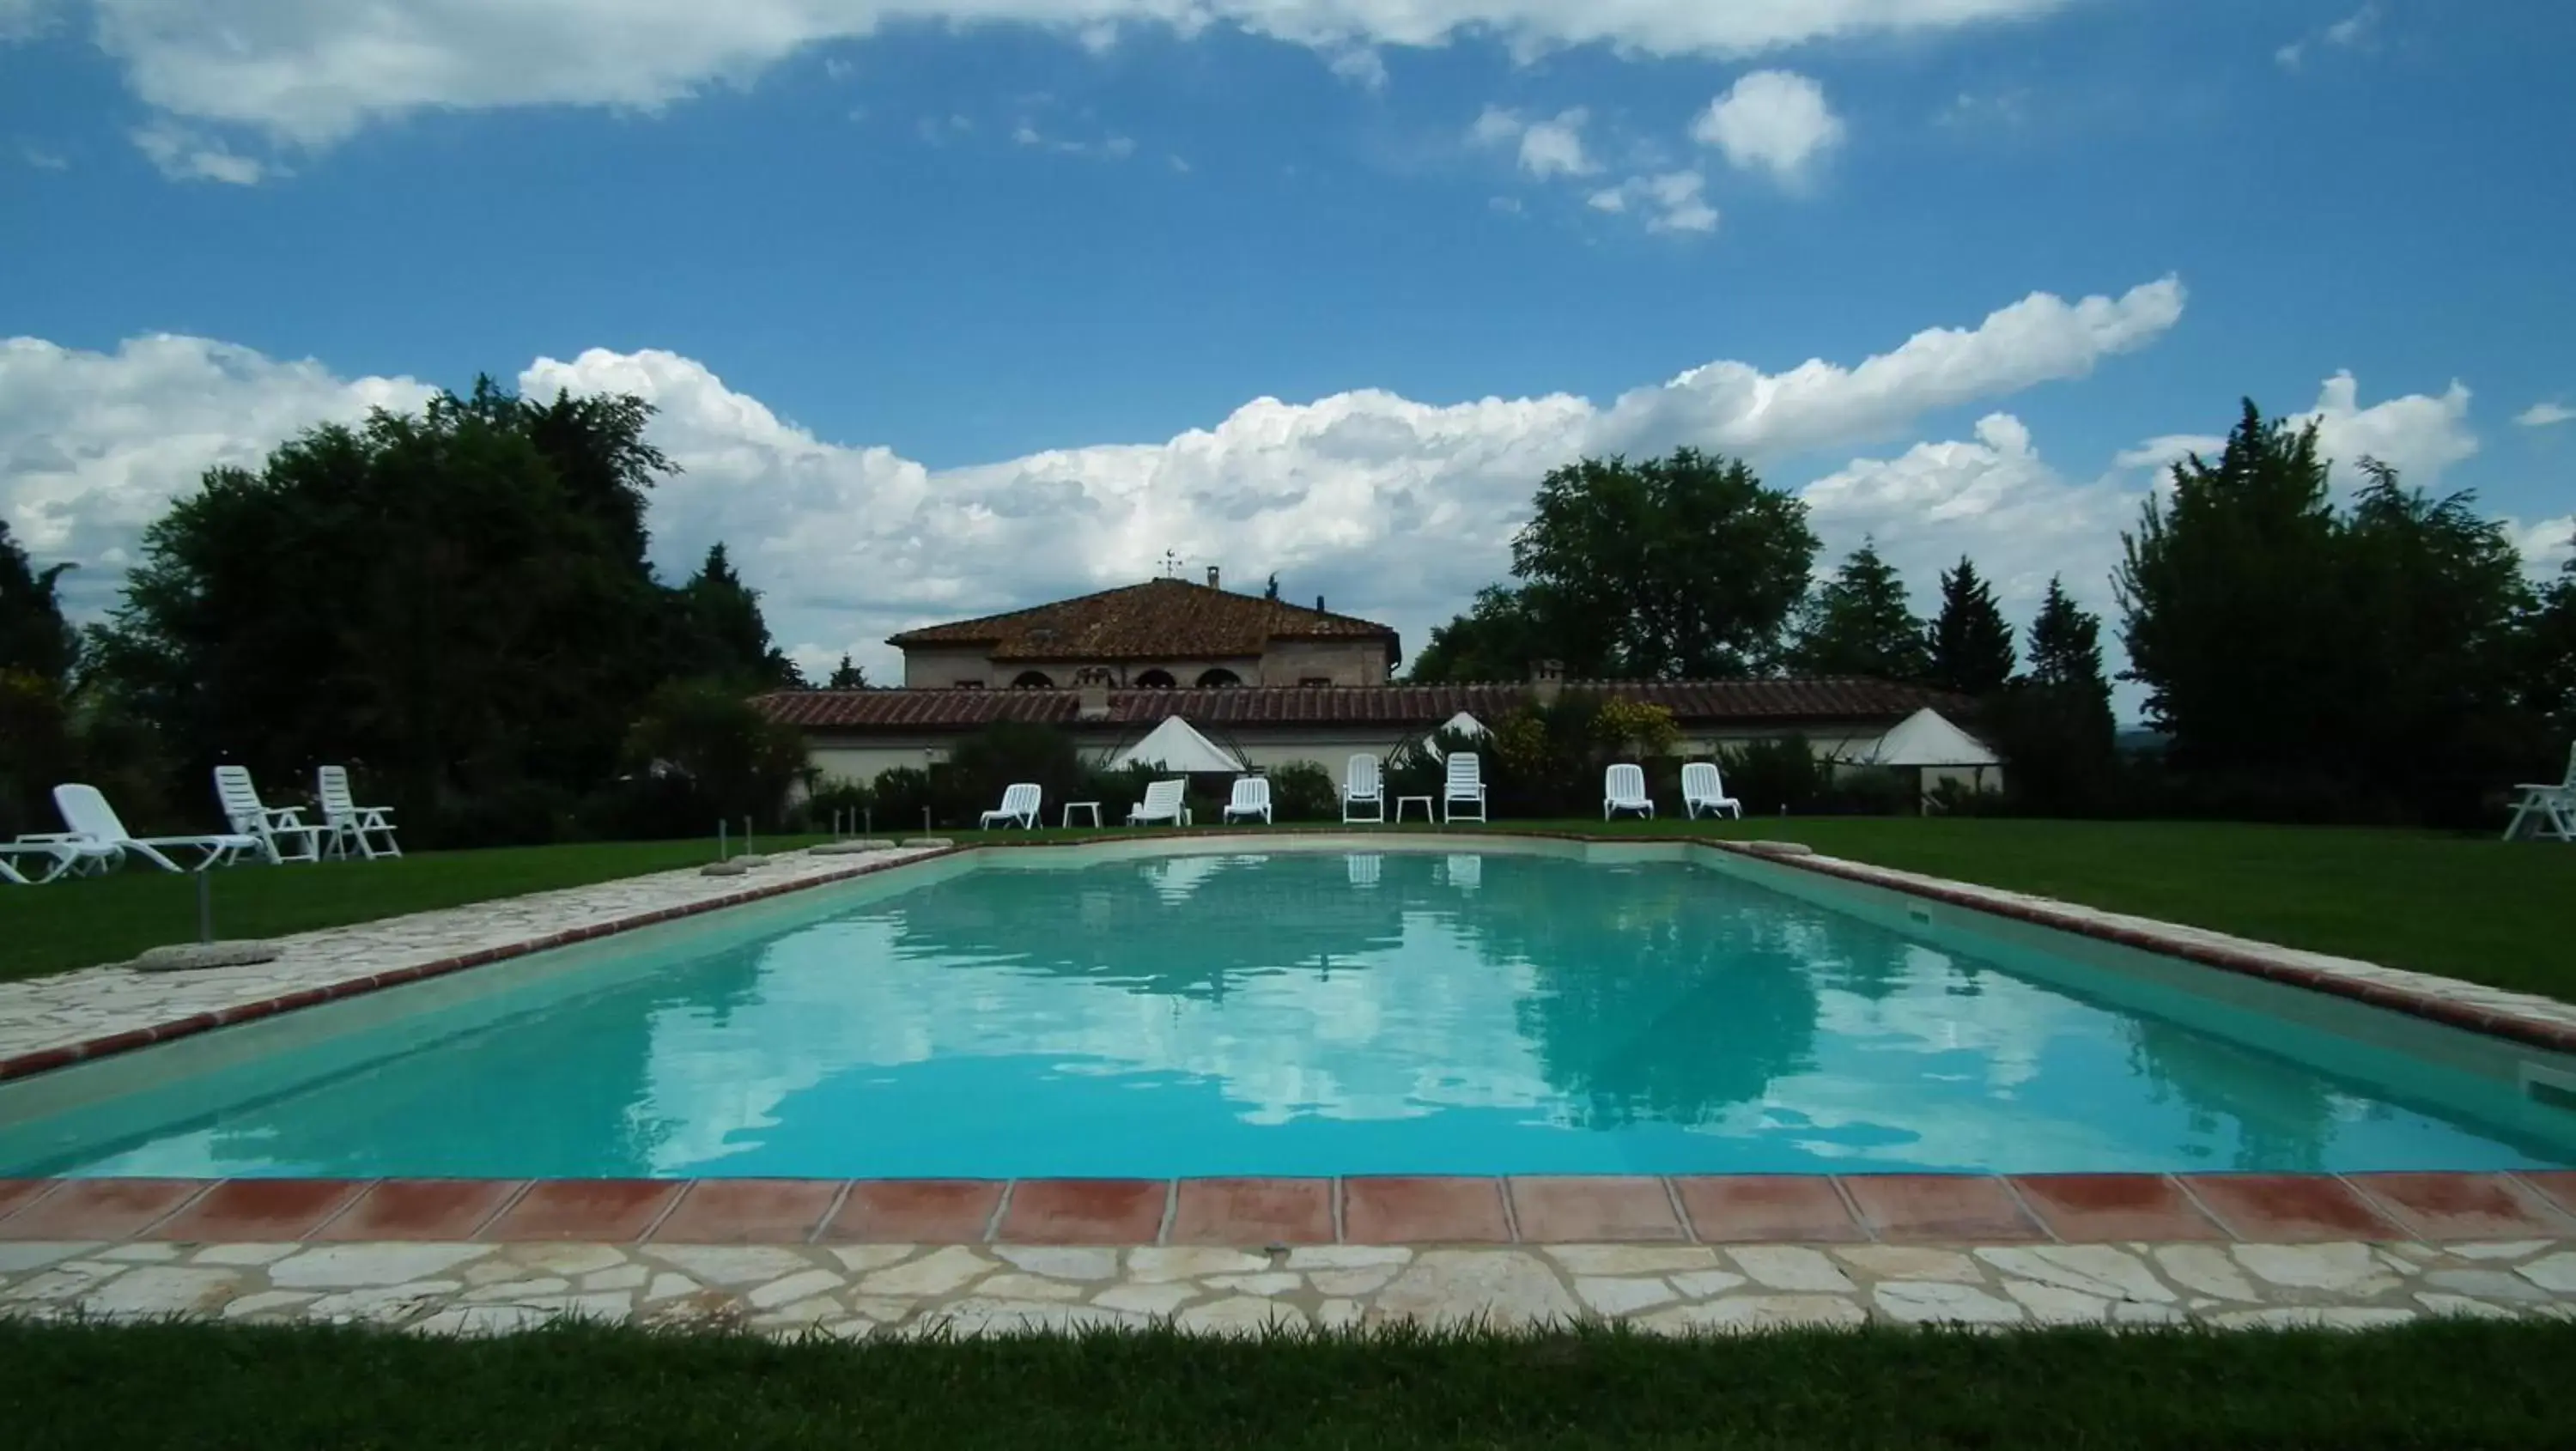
1021,802
1702,789
1623,788
1362,786
2551,809
1251,799
1465,784
249,816
349,824
1164,801
1364,868
97,833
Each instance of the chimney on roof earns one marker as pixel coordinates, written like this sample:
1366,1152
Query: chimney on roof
1212,577
1319,604
1547,681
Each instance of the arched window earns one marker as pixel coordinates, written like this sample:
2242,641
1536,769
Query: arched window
1156,680
1218,678
1032,680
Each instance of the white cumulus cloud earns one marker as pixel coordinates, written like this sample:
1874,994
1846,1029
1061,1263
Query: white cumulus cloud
1675,201
853,542
2544,415
1545,149
307,72
1772,121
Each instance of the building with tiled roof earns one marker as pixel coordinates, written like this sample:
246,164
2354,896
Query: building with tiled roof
1162,634
854,734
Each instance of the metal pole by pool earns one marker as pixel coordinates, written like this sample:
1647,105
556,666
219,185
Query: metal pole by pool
721,839
747,847
205,908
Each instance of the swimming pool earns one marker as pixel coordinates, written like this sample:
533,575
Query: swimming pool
1171,1010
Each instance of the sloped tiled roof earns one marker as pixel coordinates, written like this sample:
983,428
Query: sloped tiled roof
1692,702
1161,619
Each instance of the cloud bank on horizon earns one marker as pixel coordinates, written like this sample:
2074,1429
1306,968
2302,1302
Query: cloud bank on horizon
1391,508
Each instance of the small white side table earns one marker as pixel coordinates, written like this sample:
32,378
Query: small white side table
1071,807
1403,801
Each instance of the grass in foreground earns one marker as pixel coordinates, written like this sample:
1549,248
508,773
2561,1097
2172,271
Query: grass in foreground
2441,1385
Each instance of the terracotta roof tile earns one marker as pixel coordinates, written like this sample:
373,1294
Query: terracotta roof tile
1160,619
1692,702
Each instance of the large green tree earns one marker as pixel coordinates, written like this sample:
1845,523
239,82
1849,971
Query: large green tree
2374,651
2547,666
1860,623
34,637
1970,643
2053,724
456,601
721,633
1676,567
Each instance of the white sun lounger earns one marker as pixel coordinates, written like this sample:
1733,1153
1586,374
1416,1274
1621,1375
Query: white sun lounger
1703,790
2551,810
1465,788
1020,805
1251,799
1623,788
99,833
1363,789
1164,801
283,836
352,825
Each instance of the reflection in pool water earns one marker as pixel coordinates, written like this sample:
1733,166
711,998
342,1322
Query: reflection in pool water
1309,1013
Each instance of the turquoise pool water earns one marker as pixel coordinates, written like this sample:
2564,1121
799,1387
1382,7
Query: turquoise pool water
1298,1013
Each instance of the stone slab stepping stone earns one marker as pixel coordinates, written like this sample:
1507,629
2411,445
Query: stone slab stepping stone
733,868
1780,848
853,846
189,956
927,841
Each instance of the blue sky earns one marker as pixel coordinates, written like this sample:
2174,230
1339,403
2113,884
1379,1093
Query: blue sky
948,318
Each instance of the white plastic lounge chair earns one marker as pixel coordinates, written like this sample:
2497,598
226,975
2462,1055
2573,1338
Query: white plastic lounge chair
352,825
1164,801
1702,790
1251,799
100,833
1623,788
2551,810
1020,804
65,854
1363,790
1465,787
283,836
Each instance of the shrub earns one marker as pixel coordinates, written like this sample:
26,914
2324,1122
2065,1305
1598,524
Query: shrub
1002,754
740,760
900,794
840,797
1304,791
1774,777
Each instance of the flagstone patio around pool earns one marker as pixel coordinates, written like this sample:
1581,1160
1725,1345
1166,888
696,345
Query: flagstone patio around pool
1229,1256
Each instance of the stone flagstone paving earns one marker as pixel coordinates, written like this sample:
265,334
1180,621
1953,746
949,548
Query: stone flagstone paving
851,1291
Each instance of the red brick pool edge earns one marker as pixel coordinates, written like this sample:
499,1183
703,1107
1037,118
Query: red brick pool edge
1893,1209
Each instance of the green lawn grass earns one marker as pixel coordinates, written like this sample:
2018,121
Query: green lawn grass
2469,907
78,922
2446,1385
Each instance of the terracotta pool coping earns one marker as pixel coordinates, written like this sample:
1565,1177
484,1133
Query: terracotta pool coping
2444,1000
1261,1212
